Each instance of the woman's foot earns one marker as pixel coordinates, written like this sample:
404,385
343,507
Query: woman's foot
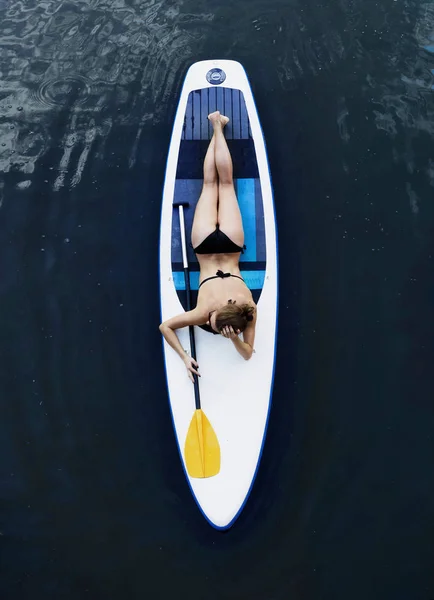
218,119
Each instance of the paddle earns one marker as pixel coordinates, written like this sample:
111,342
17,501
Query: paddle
202,449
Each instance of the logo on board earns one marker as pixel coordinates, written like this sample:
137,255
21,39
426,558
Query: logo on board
216,76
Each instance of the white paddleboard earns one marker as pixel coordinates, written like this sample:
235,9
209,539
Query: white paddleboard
235,394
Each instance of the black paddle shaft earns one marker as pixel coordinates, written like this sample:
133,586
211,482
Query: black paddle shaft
191,328
192,341
188,294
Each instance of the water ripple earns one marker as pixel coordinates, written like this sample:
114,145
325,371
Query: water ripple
85,58
55,92
402,100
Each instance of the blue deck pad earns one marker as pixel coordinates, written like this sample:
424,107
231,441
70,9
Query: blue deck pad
197,132
260,225
245,189
204,101
192,154
253,279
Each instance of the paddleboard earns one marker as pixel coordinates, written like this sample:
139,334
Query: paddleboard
235,394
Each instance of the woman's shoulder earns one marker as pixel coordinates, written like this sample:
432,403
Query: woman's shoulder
248,299
201,311
185,319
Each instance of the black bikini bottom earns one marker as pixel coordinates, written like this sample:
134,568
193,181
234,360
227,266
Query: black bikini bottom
217,243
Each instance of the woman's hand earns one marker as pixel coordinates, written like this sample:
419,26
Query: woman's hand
191,366
228,332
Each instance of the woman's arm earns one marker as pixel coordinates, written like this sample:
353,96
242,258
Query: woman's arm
245,348
192,317
249,338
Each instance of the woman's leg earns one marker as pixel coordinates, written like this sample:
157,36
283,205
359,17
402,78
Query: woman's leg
205,215
229,215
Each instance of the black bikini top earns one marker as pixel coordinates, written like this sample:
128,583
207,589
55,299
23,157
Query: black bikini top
220,275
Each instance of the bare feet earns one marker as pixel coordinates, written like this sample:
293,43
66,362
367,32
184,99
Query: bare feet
216,118
224,120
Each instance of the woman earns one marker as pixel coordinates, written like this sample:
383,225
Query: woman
224,305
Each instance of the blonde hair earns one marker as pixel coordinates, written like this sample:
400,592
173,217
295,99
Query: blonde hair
237,316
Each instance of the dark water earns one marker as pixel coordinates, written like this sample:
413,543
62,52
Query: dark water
93,499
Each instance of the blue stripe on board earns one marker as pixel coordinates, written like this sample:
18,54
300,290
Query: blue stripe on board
246,201
253,279
196,115
189,118
244,119
260,226
258,265
212,105
212,95
228,113
204,115
220,100
236,129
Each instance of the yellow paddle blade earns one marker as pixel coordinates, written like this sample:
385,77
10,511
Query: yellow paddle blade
202,449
